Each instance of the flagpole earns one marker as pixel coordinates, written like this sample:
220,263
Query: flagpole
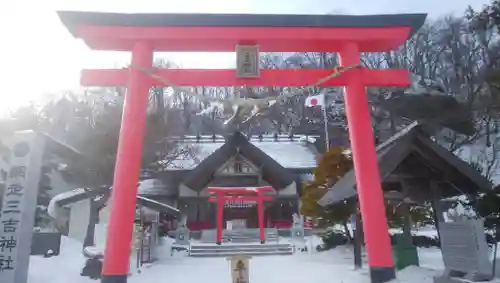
325,117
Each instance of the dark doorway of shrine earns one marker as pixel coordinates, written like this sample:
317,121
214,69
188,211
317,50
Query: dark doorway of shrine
244,217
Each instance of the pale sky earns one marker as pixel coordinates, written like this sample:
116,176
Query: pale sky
37,54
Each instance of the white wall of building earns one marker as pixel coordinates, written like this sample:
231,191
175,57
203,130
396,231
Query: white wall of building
79,220
101,228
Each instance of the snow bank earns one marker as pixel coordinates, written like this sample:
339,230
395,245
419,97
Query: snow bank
317,267
59,269
415,274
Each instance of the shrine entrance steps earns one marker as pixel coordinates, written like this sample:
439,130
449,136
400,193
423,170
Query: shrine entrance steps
229,249
240,236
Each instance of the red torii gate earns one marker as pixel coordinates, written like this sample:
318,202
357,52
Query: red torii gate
142,34
223,194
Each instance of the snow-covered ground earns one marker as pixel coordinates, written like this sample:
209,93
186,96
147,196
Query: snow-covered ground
319,267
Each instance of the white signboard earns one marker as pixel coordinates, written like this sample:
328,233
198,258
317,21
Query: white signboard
240,269
236,224
19,206
247,61
240,203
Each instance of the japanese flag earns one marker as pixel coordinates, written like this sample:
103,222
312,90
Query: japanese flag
315,100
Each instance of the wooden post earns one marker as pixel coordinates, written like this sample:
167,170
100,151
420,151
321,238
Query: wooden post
220,216
358,241
436,205
405,213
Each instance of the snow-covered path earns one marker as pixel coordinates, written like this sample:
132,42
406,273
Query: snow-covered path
335,266
262,269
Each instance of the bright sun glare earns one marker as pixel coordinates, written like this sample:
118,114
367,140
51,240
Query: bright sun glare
39,56
42,57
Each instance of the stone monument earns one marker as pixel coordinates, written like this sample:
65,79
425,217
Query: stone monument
19,205
465,252
182,232
297,232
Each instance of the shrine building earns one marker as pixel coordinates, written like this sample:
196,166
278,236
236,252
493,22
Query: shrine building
236,161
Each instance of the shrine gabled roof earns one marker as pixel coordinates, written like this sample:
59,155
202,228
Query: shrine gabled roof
278,148
272,171
391,153
73,19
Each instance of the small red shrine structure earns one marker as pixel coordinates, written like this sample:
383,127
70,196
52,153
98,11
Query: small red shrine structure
142,34
221,195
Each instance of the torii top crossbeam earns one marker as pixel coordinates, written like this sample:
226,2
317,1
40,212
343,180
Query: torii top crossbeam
222,32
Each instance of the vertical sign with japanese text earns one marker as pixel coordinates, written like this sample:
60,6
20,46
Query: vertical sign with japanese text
240,269
247,61
17,216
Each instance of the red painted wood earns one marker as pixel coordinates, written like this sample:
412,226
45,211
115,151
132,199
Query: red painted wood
232,190
366,168
225,39
220,217
128,165
221,197
242,198
199,225
269,77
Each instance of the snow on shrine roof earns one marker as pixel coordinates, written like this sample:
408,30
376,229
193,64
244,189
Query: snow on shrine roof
73,19
147,187
295,152
150,187
289,154
413,139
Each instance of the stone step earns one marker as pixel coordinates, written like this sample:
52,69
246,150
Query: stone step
249,240
211,251
252,253
240,249
239,235
248,234
256,239
246,241
239,246
248,237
